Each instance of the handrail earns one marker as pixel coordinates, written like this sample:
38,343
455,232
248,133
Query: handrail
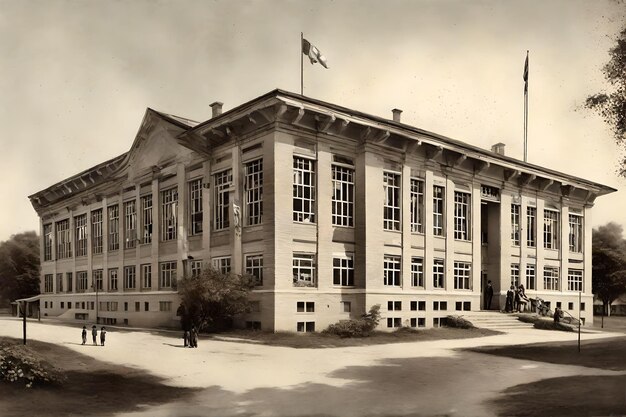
576,321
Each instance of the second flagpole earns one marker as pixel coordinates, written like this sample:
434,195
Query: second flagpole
301,65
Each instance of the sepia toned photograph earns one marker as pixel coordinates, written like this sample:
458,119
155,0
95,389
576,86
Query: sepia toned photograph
290,208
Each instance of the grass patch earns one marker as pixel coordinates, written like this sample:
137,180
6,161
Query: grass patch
544,324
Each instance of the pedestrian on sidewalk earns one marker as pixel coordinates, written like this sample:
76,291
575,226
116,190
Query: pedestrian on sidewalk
510,297
488,295
186,337
557,314
193,338
84,334
103,335
94,334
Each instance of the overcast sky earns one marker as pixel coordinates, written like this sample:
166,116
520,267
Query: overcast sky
77,76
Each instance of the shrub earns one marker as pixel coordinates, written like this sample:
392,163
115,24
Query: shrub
356,327
19,364
550,325
528,318
458,322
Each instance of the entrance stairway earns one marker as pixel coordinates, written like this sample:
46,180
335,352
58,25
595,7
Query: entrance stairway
495,320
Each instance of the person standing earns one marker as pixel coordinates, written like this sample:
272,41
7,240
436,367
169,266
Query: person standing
557,315
510,298
193,342
94,334
84,334
488,295
103,335
186,337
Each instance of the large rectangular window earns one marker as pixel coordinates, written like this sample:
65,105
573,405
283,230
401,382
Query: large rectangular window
574,280
113,216
515,275
462,276
146,218
575,233
343,271
461,216
48,283
64,242
254,267
392,270
169,215
439,274
130,281
146,276
80,234
223,181
130,224
531,227
391,217
222,264
196,267
253,191
59,283
417,272
167,276
438,205
47,242
195,207
303,270
550,278
303,190
417,206
343,196
113,279
531,277
550,229
70,281
98,281
81,281
515,224
96,231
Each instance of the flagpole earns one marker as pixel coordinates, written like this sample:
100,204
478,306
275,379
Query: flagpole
526,115
301,65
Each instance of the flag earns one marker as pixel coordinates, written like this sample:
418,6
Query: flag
526,75
313,53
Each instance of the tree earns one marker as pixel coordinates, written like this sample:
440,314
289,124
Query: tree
609,263
611,105
19,266
211,300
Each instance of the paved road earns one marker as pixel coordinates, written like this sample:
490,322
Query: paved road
242,379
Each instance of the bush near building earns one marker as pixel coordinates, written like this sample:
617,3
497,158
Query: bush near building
459,322
21,365
362,327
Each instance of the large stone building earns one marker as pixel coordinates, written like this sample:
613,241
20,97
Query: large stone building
332,210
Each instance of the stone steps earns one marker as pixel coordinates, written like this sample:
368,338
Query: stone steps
495,320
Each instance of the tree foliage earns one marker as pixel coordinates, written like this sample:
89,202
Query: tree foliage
19,266
211,300
609,263
611,105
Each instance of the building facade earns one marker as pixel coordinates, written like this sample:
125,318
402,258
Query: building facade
331,210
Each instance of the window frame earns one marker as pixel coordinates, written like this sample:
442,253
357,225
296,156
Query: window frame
195,206
392,270
417,205
462,213
342,200
392,212
253,192
304,190
462,275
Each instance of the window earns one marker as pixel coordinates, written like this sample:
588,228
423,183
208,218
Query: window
346,306
394,305
222,264
137,306
438,274
303,190
391,267
462,276
440,305
81,281
253,192
418,305
70,281
97,279
515,227
167,275
64,243
391,217
417,206
515,275
59,283
196,268
575,233
439,321
574,280
394,322
169,207
146,218
570,306
165,306
582,306
146,306
305,307
129,277
195,207
550,229
303,269
461,216
130,224
254,267
223,181
438,196
305,326
48,283
62,304
113,279
343,196
47,242
551,278
531,227
96,231
531,277
80,228
418,322
113,213
343,271
146,276
417,272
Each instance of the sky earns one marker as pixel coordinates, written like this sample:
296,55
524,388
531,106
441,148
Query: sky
77,76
